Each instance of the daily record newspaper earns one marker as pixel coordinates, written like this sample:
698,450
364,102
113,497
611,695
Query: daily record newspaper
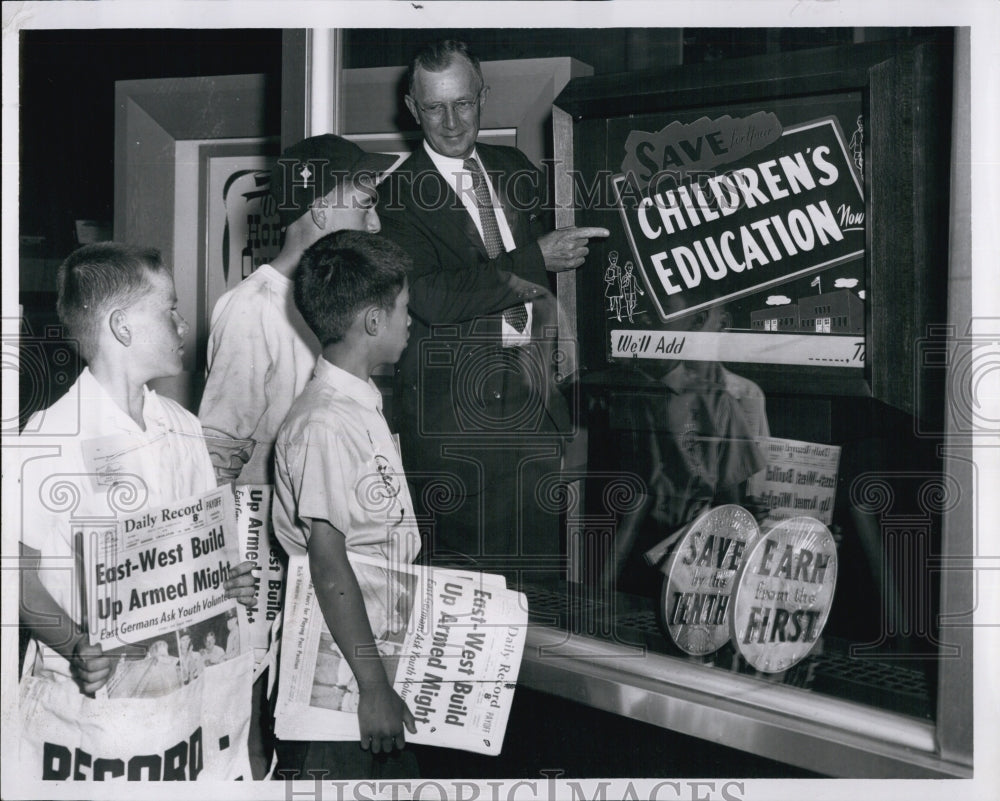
177,705
258,545
160,572
451,643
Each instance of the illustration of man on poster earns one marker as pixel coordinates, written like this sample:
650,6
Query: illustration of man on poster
630,288
693,443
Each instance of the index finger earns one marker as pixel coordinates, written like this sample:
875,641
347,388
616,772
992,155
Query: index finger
586,233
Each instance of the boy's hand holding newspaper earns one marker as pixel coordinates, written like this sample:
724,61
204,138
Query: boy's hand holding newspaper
241,584
88,665
382,714
91,668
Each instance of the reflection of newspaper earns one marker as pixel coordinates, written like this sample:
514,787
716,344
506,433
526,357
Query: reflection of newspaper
253,524
155,598
451,643
800,479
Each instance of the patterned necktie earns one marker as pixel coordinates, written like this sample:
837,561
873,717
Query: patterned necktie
516,316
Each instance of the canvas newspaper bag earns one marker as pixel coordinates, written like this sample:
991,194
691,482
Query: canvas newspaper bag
177,706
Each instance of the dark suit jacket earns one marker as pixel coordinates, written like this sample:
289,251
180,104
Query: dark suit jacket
455,383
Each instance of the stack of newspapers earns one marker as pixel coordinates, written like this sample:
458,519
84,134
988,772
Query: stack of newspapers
451,642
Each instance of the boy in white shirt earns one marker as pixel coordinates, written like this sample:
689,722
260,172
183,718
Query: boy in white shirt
119,304
339,482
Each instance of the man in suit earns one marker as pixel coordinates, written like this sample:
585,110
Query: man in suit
481,419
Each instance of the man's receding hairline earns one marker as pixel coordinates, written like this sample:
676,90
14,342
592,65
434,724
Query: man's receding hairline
453,57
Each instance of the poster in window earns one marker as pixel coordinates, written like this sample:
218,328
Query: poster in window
243,230
742,235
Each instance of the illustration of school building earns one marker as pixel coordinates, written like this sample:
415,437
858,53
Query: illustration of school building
837,312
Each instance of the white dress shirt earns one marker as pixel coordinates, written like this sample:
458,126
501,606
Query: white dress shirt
460,180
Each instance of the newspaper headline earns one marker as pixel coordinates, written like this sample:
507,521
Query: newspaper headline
451,643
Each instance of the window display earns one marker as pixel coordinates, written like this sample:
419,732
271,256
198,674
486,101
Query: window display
763,494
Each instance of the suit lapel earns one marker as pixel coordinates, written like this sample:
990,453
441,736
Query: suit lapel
446,202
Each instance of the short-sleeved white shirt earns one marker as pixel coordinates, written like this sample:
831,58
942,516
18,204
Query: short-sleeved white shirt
336,460
87,463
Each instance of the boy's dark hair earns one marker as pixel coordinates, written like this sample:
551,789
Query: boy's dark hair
96,279
438,56
344,272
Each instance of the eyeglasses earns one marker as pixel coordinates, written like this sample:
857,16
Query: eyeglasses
463,108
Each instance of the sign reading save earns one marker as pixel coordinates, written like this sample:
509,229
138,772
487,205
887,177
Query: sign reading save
718,209
700,577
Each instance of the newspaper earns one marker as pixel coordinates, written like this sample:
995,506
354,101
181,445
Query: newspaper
154,594
800,479
451,642
257,544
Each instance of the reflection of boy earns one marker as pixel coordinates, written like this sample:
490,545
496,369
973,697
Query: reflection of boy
118,303
747,394
699,448
692,443
332,496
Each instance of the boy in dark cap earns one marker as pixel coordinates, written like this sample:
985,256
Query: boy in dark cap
261,353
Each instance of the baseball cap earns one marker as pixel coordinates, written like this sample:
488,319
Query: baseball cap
310,169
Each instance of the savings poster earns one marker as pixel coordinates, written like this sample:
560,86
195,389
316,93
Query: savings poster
742,236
